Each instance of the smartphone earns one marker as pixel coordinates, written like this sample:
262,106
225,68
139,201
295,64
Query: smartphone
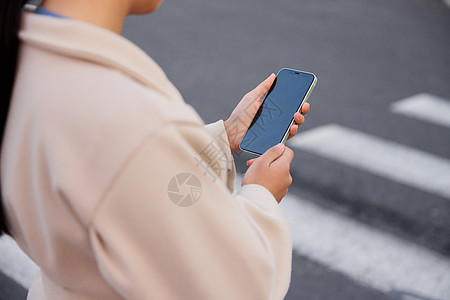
275,116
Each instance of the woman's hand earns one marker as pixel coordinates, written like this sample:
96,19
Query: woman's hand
271,170
240,119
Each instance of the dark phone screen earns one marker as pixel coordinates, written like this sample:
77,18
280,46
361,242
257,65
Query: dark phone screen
277,111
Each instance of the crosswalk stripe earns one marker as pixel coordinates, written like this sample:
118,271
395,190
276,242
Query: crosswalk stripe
447,2
367,255
397,162
424,107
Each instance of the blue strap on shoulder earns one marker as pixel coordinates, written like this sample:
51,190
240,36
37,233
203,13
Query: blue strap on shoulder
43,11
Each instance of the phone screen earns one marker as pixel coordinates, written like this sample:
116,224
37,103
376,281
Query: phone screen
276,114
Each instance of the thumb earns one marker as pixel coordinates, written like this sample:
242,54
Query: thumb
262,88
272,154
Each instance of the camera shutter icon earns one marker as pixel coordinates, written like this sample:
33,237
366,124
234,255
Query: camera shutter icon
184,189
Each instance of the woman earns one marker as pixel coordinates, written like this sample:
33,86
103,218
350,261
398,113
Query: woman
97,150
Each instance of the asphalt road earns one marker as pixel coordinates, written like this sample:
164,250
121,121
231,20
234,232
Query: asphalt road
367,56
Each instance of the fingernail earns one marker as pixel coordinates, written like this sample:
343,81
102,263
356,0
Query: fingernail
280,146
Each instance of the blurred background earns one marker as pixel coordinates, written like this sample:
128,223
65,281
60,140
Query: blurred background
370,203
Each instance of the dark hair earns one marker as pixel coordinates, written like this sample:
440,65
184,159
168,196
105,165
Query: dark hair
10,15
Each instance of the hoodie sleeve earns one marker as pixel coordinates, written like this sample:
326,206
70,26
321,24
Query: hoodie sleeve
169,228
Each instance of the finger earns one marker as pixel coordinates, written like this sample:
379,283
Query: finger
299,118
293,131
262,88
305,108
250,162
272,154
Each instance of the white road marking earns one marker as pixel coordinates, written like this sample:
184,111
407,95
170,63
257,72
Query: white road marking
367,255
425,107
16,264
385,158
447,2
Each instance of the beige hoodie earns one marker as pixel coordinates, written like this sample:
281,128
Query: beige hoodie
117,190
